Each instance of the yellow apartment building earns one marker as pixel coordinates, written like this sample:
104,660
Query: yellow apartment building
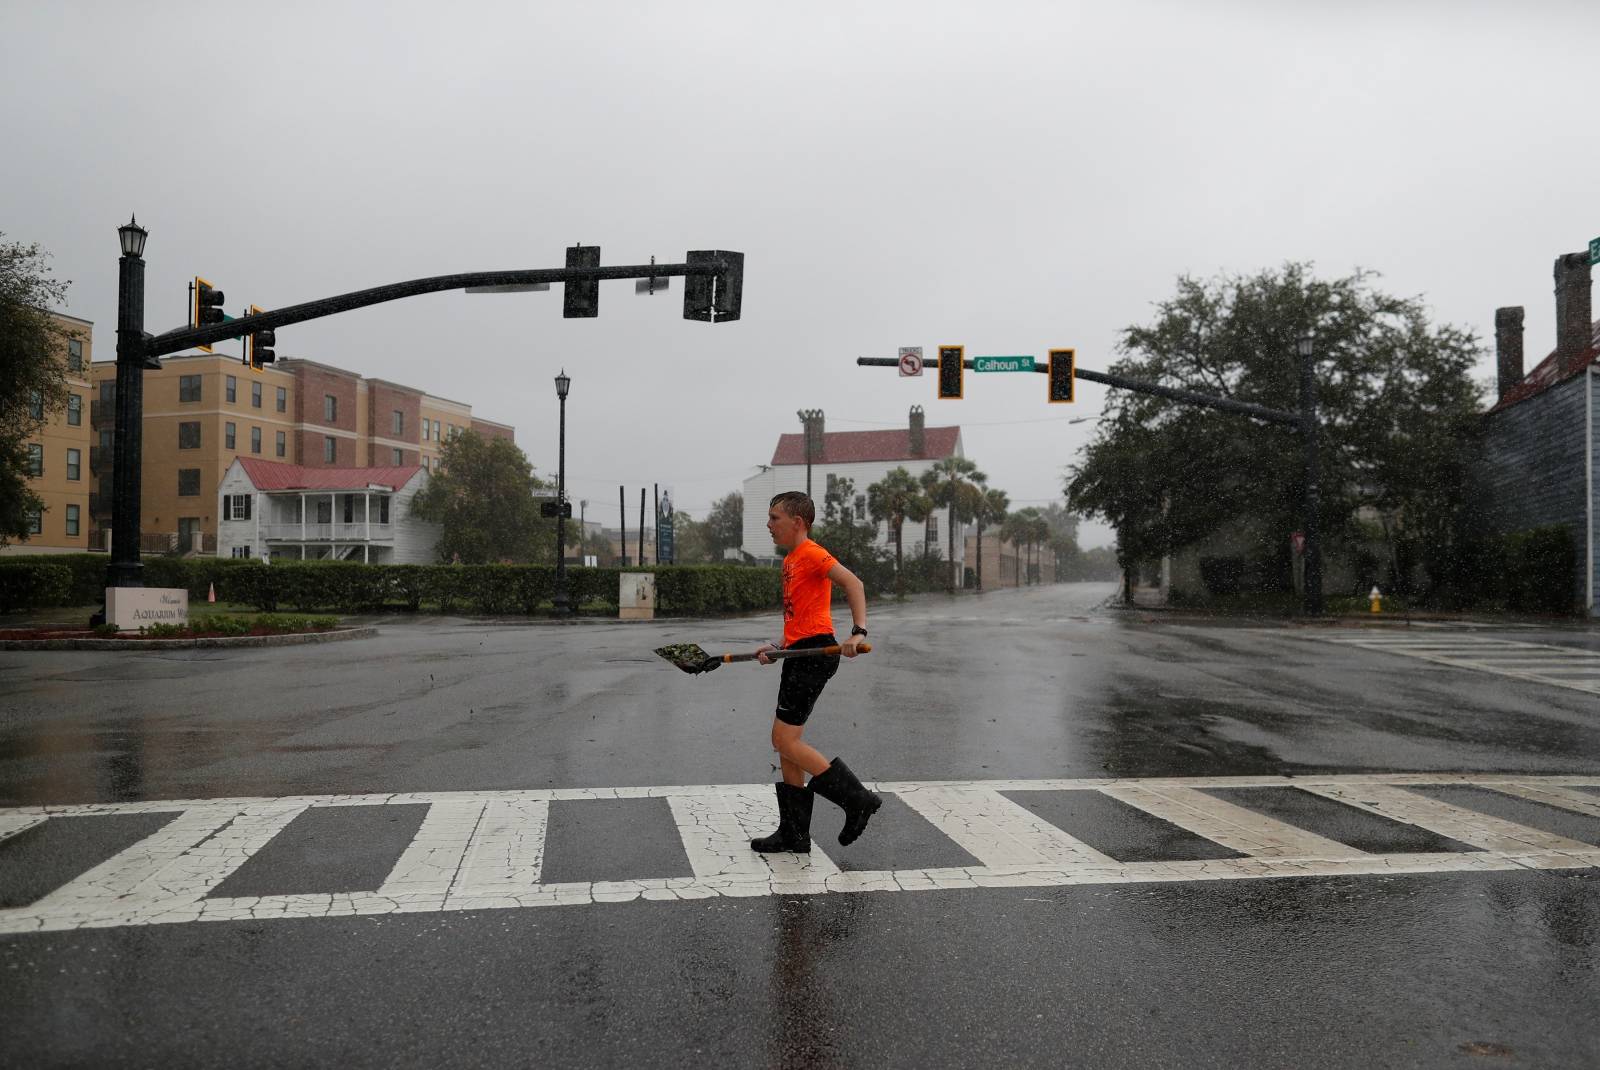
59,455
201,411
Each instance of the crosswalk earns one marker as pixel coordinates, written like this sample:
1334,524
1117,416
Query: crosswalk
1558,666
486,850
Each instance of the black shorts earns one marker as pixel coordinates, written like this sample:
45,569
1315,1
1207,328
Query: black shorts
804,678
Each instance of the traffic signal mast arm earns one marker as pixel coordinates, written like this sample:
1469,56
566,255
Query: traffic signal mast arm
721,266
1190,397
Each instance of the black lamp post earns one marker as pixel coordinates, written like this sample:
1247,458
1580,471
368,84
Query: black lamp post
125,569
1305,346
563,605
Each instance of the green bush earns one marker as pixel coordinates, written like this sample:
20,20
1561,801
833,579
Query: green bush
25,586
1539,568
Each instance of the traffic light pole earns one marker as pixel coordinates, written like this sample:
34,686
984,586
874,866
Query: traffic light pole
1304,422
713,288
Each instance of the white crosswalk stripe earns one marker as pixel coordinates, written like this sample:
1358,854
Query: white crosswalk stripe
1558,666
483,850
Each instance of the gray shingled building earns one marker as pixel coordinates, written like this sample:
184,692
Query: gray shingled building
1540,438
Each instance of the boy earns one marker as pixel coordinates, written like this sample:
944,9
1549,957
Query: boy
809,573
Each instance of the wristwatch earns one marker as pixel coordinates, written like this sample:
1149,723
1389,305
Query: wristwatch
858,630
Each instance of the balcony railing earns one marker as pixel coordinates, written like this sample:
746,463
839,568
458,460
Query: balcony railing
102,413
99,504
101,459
358,532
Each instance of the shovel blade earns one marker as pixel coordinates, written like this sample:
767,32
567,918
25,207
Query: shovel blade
689,657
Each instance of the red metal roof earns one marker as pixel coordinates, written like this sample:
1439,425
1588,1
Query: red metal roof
843,447
1548,373
271,475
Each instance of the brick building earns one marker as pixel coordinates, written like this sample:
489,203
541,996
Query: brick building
1542,436
202,411
61,453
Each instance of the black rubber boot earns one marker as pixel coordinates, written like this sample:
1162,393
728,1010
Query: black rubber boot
794,823
839,786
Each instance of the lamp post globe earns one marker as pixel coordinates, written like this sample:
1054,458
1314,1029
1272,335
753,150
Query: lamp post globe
132,237
562,602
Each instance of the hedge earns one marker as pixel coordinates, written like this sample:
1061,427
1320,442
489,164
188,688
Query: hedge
353,587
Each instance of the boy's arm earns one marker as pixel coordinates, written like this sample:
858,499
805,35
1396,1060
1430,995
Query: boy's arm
856,594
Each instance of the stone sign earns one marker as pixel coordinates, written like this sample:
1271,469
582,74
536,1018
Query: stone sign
132,608
636,596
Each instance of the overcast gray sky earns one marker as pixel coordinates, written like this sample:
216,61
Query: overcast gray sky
1008,176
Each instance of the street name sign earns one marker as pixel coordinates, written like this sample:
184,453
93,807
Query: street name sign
1594,251
1003,364
910,361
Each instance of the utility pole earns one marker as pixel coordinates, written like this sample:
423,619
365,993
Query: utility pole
1309,433
622,531
641,525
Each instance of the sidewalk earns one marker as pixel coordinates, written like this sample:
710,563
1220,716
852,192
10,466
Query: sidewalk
1153,600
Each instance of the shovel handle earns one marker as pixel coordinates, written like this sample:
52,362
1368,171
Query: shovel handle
810,651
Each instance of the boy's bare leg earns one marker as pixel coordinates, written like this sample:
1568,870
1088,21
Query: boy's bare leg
796,756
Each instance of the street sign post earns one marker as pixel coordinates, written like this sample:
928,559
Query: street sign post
1003,364
910,361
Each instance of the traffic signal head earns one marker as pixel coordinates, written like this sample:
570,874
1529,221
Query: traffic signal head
952,364
714,298
258,345
582,299
1062,384
206,306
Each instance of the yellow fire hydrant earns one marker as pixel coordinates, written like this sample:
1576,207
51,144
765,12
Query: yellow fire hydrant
1377,600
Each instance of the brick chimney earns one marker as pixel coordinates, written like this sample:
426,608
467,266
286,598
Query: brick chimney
919,442
1508,347
1574,331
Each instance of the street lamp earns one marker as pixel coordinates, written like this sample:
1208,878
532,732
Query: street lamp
125,569
563,605
1305,347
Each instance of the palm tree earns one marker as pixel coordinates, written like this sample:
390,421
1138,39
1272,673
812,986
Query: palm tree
953,485
991,510
895,498
1023,529
1041,535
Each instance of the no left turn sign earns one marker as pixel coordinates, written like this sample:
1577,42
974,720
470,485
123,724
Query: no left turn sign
910,360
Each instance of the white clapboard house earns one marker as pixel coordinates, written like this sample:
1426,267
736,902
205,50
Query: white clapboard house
287,511
864,457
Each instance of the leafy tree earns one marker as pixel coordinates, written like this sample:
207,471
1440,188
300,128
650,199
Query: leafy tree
691,544
990,510
482,495
952,483
724,526
1396,402
894,499
32,373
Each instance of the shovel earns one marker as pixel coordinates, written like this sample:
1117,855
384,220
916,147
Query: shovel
691,659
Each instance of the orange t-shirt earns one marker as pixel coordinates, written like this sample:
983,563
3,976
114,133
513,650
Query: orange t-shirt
807,592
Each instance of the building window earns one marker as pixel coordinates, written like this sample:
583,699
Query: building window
72,520
283,399
35,523
427,429
399,422
188,388
188,482
35,459
74,355
75,410
330,449
36,405
933,529
399,456
255,395
324,511
383,509
330,409
229,435
241,551
189,435
74,464
107,442
233,389
255,440
238,506
283,443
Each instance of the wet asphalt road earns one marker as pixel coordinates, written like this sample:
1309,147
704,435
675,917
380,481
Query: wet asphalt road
1421,969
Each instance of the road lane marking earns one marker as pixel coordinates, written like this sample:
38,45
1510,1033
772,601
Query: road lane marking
1543,663
1234,827
483,850
997,831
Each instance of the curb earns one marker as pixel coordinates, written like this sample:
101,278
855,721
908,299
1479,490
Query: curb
292,639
